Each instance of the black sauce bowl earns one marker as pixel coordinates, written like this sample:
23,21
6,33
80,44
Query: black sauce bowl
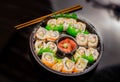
36,59
61,53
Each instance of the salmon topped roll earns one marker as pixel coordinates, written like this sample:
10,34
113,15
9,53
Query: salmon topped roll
52,46
48,59
82,39
52,35
38,45
92,40
68,65
80,65
41,33
58,66
81,26
93,52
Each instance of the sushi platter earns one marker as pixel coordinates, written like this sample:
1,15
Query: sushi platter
66,45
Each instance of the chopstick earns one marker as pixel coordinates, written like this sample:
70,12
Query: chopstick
71,9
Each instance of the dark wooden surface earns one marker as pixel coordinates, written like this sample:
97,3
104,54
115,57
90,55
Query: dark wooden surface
15,62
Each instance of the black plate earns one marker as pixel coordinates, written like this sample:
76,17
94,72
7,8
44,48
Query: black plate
89,27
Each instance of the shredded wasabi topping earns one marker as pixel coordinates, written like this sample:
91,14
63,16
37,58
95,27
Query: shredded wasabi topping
73,59
86,32
47,49
55,27
90,58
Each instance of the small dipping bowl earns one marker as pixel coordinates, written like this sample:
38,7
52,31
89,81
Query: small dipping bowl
61,52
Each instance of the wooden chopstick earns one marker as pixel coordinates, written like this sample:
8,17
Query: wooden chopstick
71,9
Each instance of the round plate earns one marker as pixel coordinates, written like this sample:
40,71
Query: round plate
89,27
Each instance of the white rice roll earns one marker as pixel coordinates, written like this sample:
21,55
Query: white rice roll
93,52
65,24
81,50
60,21
58,66
71,21
92,40
41,33
77,56
39,44
80,65
52,46
52,22
82,39
81,26
48,59
68,65
52,35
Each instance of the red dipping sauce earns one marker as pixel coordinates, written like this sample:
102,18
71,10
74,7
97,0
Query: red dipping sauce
67,45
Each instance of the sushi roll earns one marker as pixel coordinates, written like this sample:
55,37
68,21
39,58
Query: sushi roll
81,26
80,65
39,44
92,40
60,21
82,39
71,21
68,65
79,52
52,35
52,22
93,52
58,66
52,46
41,33
65,25
76,56
48,59
68,22
55,25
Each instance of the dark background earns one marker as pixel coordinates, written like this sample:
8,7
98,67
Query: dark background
15,63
